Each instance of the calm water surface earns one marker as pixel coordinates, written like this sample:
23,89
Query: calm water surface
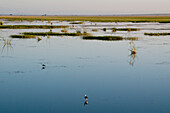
114,81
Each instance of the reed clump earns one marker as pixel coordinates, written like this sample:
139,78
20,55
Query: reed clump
157,34
30,27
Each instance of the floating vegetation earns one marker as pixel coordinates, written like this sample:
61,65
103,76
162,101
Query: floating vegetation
30,26
94,30
108,38
1,23
23,36
76,22
125,29
55,34
157,34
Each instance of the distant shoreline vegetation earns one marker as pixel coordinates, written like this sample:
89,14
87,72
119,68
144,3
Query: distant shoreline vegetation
30,26
134,19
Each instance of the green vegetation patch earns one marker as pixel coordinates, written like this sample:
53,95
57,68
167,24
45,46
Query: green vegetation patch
22,36
30,26
55,34
157,34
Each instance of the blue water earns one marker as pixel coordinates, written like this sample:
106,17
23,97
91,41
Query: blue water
75,67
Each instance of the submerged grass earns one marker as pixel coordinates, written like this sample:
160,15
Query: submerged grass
55,34
108,38
157,34
30,26
135,19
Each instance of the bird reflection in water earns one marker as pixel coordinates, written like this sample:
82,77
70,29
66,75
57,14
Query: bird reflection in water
86,103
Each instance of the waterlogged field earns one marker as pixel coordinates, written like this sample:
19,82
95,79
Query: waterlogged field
100,64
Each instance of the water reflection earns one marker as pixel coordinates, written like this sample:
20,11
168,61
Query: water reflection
7,45
132,59
86,103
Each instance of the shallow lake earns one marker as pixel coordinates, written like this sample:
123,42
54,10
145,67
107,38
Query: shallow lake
114,80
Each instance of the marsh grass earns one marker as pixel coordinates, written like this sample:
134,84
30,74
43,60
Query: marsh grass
64,30
94,30
30,27
76,22
135,19
55,34
125,29
23,36
157,34
108,38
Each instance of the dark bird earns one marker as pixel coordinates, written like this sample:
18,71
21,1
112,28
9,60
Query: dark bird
85,96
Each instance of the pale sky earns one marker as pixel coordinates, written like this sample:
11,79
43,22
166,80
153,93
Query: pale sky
57,7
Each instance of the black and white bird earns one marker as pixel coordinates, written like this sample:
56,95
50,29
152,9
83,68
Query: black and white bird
85,96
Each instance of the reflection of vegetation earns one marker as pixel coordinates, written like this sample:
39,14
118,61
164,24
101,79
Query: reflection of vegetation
7,44
55,34
125,29
23,36
76,22
157,34
132,59
108,38
30,26
135,19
